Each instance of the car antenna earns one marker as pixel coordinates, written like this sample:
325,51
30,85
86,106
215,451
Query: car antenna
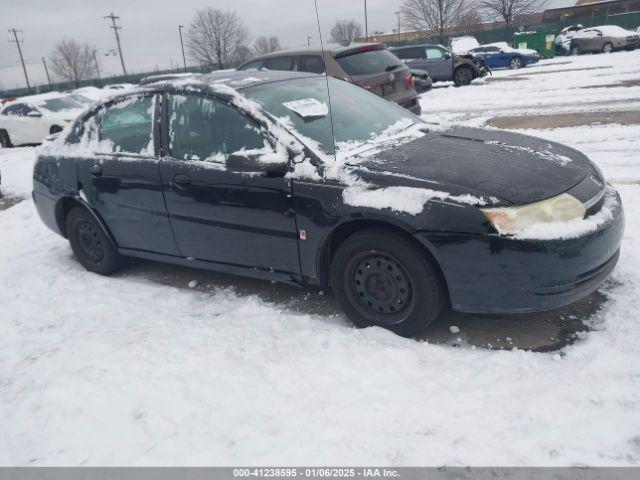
326,76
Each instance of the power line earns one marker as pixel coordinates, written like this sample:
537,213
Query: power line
18,42
115,27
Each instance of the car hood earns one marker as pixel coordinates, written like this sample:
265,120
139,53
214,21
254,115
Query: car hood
510,167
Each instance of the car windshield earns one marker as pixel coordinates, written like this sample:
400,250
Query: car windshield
367,62
81,99
303,106
59,104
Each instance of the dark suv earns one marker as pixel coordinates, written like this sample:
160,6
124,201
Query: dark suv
369,65
442,64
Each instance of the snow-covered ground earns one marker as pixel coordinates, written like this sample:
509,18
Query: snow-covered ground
106,371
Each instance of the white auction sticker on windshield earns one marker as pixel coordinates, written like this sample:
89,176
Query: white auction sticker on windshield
308,108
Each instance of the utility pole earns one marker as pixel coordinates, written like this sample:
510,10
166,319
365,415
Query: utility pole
18,42
115,27
309,41
366,22
95,60
46,70
184,59
398,14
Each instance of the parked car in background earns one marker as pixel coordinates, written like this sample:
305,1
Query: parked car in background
210,178
605,39
369,65
462,45
28,120
563,39
442,64
421,80
501,55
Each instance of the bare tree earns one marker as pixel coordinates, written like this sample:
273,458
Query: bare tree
264,45
432,15
509,11
345,31
469,17
73,61
216,37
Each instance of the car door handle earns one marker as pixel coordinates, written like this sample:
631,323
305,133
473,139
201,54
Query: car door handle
96,169
182,180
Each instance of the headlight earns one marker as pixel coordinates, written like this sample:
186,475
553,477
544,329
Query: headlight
512,220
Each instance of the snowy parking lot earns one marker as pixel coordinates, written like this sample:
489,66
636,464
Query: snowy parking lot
143,369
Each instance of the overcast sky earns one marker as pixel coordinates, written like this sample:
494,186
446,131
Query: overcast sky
150,27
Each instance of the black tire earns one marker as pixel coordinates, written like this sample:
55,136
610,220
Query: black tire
462,76
607,48
383,278
90,244
515,63
55,129
5,141
575,50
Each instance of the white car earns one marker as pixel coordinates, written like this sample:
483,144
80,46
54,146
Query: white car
28,120
563,39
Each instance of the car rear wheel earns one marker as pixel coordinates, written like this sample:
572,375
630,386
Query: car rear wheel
90,244
575,50
607,47
462,76
382,278
515,63
5,141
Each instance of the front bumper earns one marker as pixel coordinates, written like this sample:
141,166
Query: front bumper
494,274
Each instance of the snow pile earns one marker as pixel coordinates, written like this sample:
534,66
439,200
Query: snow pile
401,199
543,154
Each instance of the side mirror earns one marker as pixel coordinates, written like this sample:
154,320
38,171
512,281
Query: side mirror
250,162
34,114
446,56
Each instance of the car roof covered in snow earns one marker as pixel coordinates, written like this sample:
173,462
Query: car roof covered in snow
238,80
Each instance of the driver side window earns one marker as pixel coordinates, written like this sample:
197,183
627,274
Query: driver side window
201,128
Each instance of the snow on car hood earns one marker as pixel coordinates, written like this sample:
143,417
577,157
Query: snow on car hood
489,164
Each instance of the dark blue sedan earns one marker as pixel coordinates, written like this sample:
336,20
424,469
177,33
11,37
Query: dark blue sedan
503,56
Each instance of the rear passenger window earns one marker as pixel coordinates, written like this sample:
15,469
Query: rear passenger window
311,64
202,128
127,126
410,53
280,63
367,61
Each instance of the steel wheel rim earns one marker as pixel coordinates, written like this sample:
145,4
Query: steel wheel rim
90,242
382,288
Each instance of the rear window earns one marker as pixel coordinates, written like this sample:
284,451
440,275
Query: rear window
410,53
368,62
311,64
280,63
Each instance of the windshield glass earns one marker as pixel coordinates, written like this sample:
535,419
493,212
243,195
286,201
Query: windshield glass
59,104
368,62
81,99
302,105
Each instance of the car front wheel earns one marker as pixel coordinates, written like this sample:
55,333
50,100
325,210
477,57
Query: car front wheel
515,63
462,76
90,243
384,279
607,48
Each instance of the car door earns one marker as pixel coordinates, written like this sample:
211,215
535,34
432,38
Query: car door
218,215
497,58
119,174
437,64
